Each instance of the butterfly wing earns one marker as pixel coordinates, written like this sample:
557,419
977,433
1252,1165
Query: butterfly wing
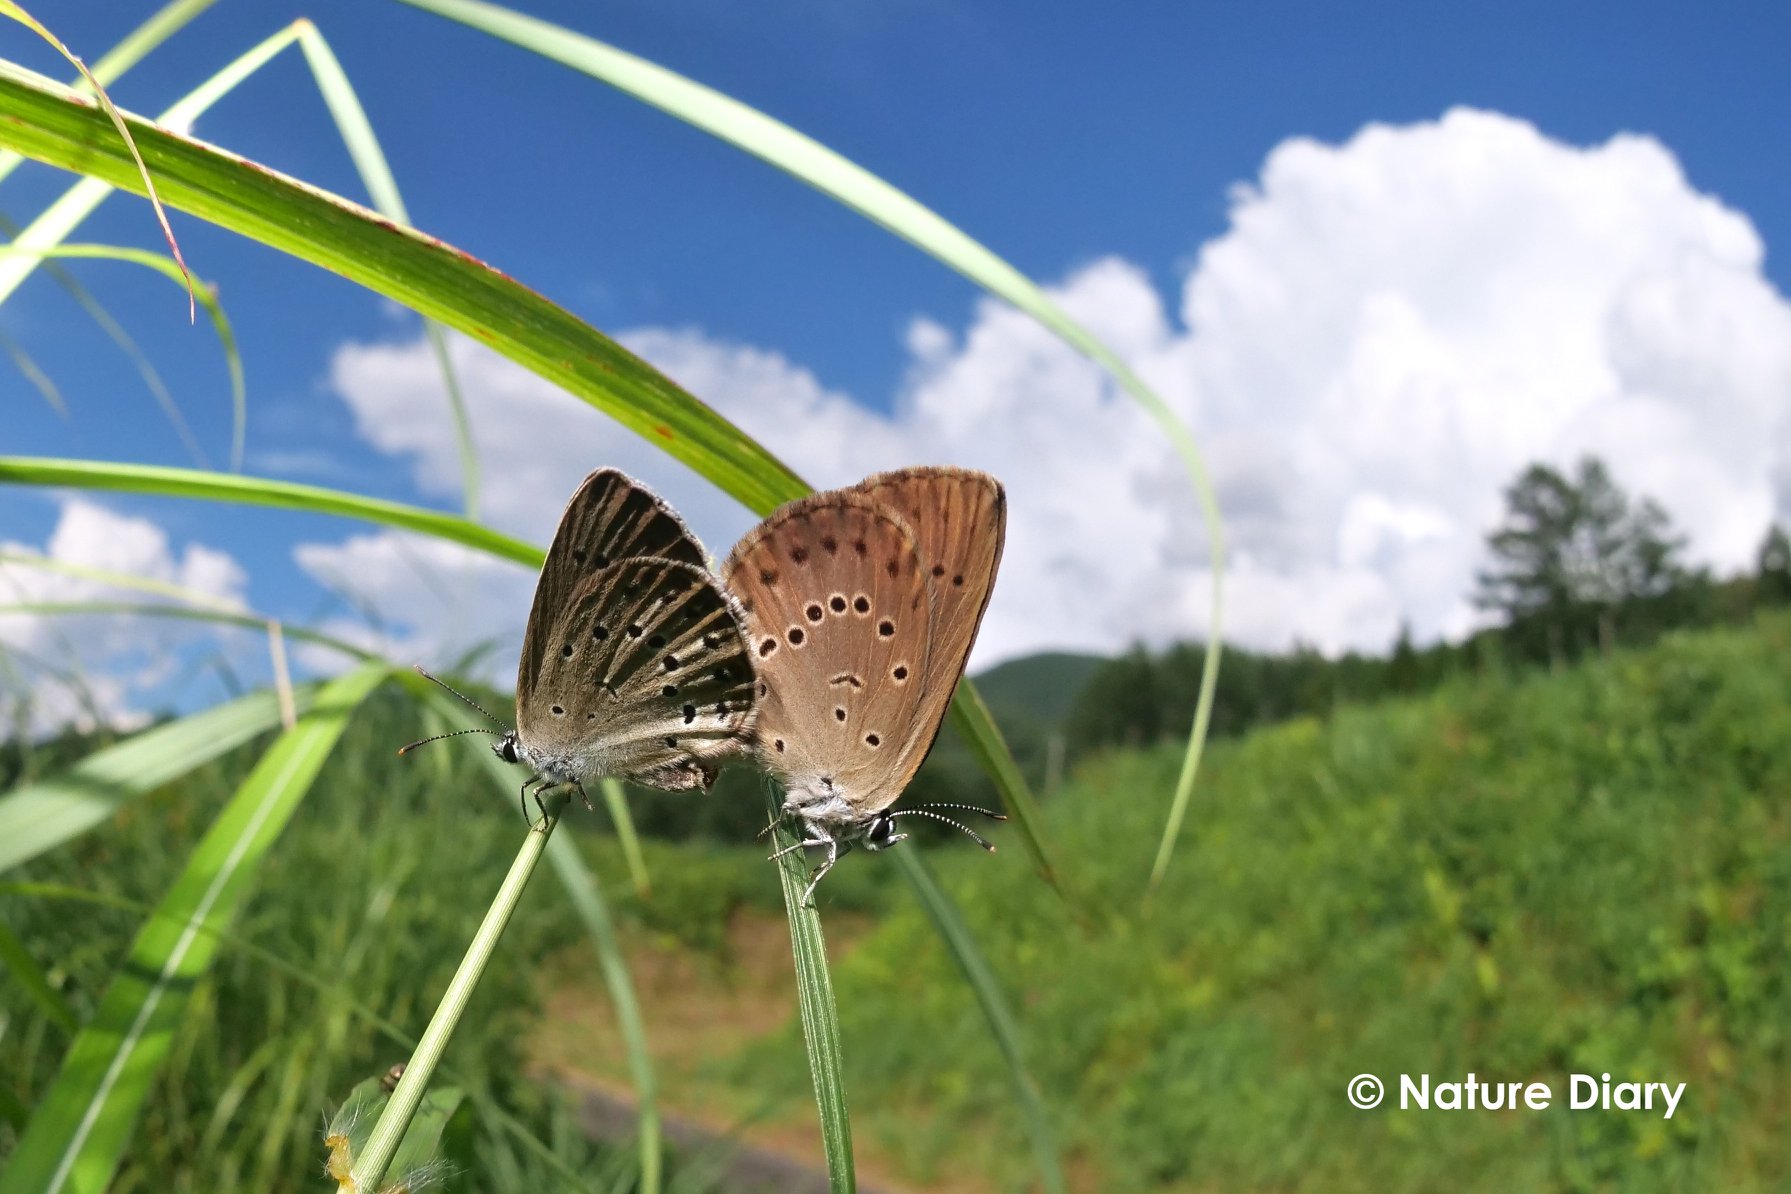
837,612
610,517
644,675
959,519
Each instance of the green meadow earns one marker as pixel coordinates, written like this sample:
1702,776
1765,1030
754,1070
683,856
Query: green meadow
1520,876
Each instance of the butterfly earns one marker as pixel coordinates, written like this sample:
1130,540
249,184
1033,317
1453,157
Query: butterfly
634,662
861,606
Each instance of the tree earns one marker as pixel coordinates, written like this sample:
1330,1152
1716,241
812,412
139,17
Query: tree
1573,551
1775,565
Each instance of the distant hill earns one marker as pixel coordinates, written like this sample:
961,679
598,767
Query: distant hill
1036,688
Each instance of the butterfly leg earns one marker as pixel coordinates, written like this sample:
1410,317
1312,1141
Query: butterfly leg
833,855
793,847
582,795
522,797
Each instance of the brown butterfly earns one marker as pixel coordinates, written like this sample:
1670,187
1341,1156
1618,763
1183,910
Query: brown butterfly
633,663
861,607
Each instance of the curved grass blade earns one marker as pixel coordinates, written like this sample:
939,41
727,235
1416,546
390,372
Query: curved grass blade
115,332
136,46
810,162
214,310
32,372
357,135
588,902
47,122
82,1123
975,968
10,8
146,609
623,820
820,1015
43,815
262,491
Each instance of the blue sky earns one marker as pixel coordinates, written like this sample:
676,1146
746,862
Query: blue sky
1099,148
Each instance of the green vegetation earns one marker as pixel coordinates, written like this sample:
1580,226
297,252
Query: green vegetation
1519,877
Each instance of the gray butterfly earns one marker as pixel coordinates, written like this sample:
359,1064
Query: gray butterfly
861,607
633,663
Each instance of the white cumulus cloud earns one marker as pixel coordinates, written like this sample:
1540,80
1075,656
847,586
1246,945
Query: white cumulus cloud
1388,331
87,669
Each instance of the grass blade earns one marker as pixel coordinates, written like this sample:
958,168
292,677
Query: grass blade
207,296
587,901
114,331
357,135
399,1111
262,491
33,373
136,46
46,121
977,726
10,8
623,820
975,968
82,1123
41,816
146,609
820,1015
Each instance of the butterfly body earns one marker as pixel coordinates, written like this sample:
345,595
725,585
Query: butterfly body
860,607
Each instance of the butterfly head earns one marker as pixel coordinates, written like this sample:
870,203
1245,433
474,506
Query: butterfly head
880,834
508,747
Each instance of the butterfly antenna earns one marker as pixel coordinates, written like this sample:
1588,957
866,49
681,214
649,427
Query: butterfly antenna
453,734
418,668
921,812
968,808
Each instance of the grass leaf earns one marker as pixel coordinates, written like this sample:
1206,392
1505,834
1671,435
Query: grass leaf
975,968
48,122
587,901
820,1016
43,815
370,162
10,8
135,46
262,491
81,1125
617,805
